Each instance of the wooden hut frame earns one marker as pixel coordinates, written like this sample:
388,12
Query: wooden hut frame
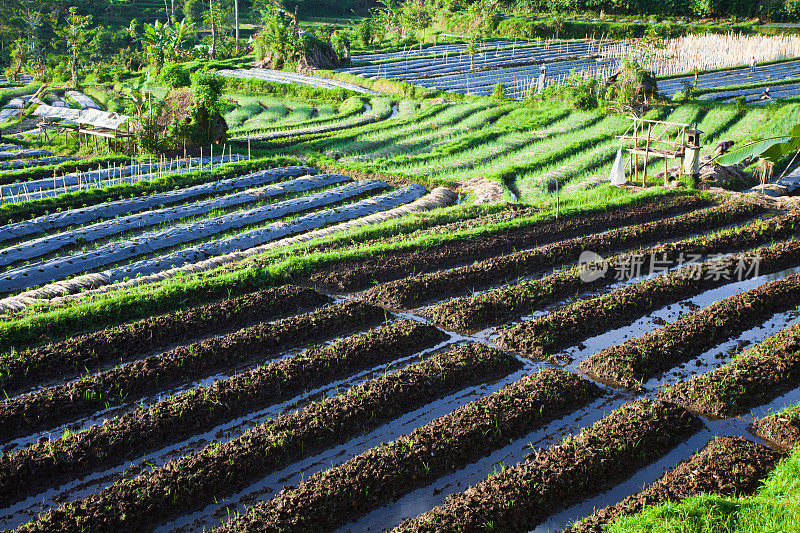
656,138
88,124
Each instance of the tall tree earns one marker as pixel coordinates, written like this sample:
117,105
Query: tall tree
77,34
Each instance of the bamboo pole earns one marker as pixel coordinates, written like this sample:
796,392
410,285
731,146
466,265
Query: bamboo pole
646,156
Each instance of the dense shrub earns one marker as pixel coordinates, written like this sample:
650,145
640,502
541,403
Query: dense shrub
173,75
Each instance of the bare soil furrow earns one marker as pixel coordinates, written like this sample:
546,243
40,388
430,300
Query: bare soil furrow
634,361
522,496
127,383
222,469
416,290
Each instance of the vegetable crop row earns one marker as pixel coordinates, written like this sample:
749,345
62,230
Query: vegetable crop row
131,381
199,410
155,184
753,377
383,474
360,265
155,217
417,289
638,359
520,497
363,272
569,325
222,469
84,215
726,465
172,236
781,428
490,308
85,353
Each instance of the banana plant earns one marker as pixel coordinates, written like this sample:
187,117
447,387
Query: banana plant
155,39
771,149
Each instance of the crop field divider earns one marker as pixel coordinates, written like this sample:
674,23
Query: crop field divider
126,383
415,290
472,313
753,377
636,360
123,343
726,465
200,410
222,469
521,496
448,443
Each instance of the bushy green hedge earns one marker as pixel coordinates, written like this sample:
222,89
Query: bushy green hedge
268,88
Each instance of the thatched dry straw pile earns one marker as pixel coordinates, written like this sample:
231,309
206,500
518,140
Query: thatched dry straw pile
708,52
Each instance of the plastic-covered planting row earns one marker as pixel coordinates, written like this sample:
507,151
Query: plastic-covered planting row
789,93
433,50
272,232
108,228
96,283
490,57
13,108
176,235
19,102
103,178
62,184
22,78
531,72
122,207
6,147
482,83
82,100
16,164
23,154
7,113
432,67
748,92
278,76
726,78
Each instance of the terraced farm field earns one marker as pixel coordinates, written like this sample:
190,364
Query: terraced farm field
401,310
524,149
364,382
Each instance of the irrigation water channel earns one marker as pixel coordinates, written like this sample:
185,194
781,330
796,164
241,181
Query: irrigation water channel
427,497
